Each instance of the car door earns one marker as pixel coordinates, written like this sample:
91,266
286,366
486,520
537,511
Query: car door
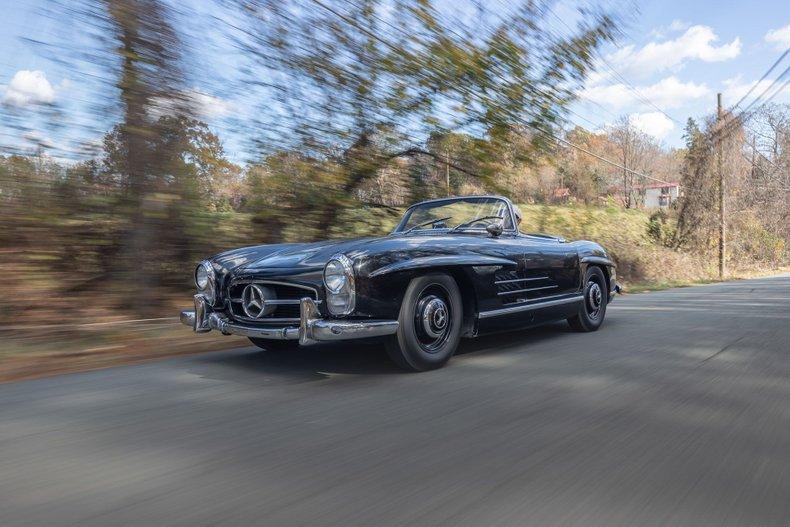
546,267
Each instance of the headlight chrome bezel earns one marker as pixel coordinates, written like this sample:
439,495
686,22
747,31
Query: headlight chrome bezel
209,289
341,300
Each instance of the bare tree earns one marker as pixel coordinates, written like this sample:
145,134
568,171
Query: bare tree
636,151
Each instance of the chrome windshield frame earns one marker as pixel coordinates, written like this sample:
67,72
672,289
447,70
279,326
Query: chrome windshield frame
406,215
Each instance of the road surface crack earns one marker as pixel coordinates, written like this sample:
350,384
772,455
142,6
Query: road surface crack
722,350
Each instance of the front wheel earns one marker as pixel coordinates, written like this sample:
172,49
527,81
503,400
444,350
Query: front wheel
429,326
593,309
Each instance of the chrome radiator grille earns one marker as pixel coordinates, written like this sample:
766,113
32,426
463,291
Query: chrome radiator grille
280,300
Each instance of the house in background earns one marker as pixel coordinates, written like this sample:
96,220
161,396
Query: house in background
650,196
659,194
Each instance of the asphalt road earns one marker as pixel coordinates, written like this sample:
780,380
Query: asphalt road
677,412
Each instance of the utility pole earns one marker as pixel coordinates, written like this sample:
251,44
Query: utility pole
722,204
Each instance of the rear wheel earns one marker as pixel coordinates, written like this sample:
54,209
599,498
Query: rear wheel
429,326
592,311
275,345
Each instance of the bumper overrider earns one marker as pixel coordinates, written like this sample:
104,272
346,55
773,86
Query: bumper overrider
312,328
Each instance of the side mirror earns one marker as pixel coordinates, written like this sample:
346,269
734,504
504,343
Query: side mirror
494,229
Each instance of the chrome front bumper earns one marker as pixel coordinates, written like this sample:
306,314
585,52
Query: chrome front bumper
311,327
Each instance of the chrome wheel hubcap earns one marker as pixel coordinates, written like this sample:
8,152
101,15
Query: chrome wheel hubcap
434,317
594,298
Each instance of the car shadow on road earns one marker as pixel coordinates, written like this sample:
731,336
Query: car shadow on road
514,340
313,363
321,361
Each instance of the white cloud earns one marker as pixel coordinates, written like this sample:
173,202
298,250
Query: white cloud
666,93
197,103
679,25
29,87
780,38
675,26
735,88
654,123
696,43
208,106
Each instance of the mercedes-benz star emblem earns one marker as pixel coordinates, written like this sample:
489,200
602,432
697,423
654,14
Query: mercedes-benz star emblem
253,300
440,318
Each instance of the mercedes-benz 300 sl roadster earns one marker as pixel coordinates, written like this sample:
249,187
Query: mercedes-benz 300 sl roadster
452,268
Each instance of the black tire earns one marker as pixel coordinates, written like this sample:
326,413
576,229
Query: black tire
593,310
275,345
430,321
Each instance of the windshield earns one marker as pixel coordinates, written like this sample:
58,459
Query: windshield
446,214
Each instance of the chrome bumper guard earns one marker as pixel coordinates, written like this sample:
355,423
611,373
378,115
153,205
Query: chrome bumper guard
311,327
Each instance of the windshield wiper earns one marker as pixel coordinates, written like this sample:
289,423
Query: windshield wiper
480,218
423,224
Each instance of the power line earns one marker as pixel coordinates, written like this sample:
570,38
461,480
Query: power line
611,68
774,65
515,117
577,147
765,158
729,126
599,105
761,134
634,90
767,89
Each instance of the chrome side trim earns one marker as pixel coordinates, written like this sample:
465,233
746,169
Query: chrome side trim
497,282
530,306
516,291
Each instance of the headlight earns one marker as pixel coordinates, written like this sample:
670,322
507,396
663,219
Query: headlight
334,276
339,283
201,277
205,280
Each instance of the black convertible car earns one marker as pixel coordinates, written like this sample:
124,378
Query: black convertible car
452,268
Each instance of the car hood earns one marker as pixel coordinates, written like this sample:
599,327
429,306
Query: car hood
303,256
299,258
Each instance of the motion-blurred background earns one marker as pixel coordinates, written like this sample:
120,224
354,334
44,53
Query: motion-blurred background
139,136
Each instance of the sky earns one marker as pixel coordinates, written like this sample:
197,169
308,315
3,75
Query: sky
678,55
671,61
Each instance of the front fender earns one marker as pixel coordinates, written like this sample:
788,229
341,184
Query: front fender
591,253
426,262
597,260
